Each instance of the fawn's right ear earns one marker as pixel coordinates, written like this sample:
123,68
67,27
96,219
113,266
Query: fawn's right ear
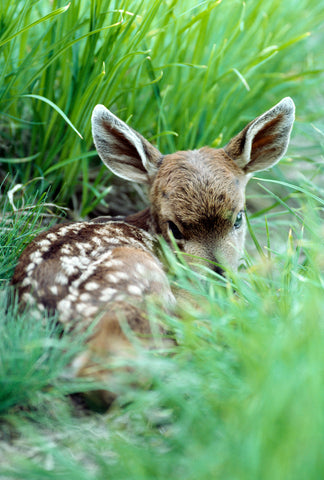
125,152
263,142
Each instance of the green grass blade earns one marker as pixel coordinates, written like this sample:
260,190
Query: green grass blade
56,108
37,22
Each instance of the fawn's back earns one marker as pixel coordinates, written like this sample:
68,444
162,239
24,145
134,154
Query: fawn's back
105,271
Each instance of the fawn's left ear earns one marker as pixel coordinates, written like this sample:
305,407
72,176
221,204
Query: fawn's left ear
264,141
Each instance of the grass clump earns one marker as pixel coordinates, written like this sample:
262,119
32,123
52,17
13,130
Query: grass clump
22,218
32,356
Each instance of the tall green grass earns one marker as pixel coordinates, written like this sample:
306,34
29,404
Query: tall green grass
184,73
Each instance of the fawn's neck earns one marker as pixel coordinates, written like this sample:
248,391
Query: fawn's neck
142,219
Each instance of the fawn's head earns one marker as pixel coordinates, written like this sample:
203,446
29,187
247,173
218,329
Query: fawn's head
197,196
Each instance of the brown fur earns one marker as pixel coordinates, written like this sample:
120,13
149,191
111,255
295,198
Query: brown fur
103,273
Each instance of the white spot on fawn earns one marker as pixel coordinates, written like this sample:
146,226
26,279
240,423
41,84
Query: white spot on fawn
90,286
112,278
83,246
66,250
73,293
51,236
72,264
112,240
90,310
134,290
54,289
63,231
28,298
85,297
122,275
107,294
86,310
140,269
36,257
26,282
44,243
79,362
61,279
64,306
69,268
117,276
115,263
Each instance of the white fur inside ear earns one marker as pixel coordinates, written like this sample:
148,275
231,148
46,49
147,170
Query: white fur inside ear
100,113
114,140
267,137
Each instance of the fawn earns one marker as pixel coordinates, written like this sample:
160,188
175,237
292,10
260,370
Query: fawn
104,271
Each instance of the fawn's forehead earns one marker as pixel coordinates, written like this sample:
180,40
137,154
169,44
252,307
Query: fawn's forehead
205,182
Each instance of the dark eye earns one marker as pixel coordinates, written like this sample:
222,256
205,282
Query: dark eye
175,231
238,220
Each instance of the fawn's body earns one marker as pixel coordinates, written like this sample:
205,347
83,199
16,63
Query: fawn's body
105,271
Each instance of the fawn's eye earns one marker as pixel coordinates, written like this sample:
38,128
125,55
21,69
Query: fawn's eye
175,231
239,220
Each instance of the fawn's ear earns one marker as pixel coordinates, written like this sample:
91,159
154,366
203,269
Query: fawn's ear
264,141
125,152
